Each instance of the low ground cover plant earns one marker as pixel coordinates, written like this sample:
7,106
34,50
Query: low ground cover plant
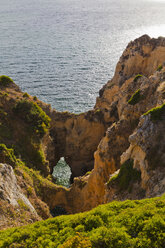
114,225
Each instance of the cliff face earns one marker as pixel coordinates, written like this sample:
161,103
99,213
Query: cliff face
121,141
76,138
14,205
137,86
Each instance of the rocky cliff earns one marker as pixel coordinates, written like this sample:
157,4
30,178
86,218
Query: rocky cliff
137,88
120,141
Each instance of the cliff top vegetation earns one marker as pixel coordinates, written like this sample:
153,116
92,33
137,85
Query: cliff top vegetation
116,225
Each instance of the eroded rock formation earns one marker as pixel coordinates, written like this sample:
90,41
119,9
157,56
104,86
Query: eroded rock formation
76,138
114,138
137,86
13,203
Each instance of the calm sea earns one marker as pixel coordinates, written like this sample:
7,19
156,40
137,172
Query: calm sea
63,51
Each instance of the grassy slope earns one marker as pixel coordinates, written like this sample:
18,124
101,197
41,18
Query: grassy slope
117,224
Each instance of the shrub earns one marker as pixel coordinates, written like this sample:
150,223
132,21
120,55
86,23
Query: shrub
92,222
34,98
26,95
32,114
38,154
156,113
160,67
126,176
5,94
128,224
77,241
135,98
114,237
112,179
5,81
137,77
29,190
155,229
7,155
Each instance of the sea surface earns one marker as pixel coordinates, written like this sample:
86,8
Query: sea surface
64,51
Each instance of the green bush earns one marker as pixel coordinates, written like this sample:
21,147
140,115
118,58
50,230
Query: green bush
128,224
77,241
26,95
33,115
92,222
135,98
157,113
5,81
7,155
126,176
114,237
137,77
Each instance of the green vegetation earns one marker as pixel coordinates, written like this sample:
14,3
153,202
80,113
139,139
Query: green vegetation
126,176
130,224
5,81
7,155
22,204
26,95
88,173
5,94
135,98
22,125
29,190
33,115
137,77
160,67
157,113
32,153
34,98
34,179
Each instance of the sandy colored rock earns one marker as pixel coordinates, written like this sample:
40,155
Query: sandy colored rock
114,132
12,200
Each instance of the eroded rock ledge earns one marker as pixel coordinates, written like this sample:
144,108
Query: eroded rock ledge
115,134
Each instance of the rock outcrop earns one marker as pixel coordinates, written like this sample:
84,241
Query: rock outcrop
115,151
14,204
147,149
76,138
125,98
137,86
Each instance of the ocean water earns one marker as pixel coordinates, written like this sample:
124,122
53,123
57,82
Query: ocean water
64,51
62,173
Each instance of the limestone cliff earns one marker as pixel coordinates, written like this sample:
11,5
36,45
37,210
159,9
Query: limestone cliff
14,205
121,141
137,87
142,89
76,138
